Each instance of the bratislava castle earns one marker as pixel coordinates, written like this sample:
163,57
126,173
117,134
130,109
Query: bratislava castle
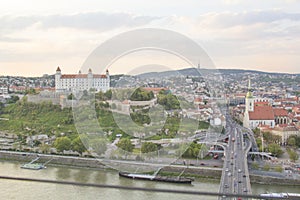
81,82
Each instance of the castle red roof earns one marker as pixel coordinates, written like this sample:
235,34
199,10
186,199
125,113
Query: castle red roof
73,76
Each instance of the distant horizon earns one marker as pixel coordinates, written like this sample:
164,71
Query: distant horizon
258,70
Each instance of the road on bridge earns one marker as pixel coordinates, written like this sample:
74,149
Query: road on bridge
235,176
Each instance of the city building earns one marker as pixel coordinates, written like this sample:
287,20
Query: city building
3,90
257,111
81,82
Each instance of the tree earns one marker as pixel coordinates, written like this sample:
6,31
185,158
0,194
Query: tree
169,101
99,145
13,99
255,165
275,149
108,94
293,155
125,144
70,96
31,91
148,147
266,167
291,141
141,95
278,169
62,143
77,145
45,148
192,151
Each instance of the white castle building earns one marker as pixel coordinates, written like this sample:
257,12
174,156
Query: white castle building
81,82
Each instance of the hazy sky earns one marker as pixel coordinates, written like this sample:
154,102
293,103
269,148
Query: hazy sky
37,36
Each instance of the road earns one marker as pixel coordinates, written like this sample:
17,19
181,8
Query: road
235,175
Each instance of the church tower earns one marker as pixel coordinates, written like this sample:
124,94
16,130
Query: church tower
249,99
249,106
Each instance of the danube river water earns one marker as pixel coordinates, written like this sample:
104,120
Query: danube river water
29,190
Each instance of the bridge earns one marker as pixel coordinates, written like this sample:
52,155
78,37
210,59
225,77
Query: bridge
235,176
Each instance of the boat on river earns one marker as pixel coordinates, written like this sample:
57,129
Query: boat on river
156,178
33,166
282,195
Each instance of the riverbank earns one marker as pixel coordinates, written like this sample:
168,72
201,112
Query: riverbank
191,171
51,159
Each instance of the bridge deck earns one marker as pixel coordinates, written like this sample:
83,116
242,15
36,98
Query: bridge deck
235,176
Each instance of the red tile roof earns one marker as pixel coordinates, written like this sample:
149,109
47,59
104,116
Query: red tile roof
280,112
262,113
100,76
72,76
261,103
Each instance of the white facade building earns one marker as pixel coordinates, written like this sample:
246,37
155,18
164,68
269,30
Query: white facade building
3,90
257,111
81,82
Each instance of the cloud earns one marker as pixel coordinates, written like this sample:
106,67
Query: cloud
91,21
95,21
230,19
229,37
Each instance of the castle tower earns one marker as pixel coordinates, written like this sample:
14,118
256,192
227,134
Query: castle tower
57,79
90,79
107,80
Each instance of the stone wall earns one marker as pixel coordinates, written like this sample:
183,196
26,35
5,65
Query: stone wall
55,159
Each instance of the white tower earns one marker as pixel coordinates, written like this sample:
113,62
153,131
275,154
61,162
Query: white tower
249,99
90,79
57,80
107,80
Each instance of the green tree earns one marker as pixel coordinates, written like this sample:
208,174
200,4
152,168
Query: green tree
266,167
45,148
77,145
31,91
275,149
278,169
291,141
148,147
255,165
62,143
70,96
293,155
125,144
99,145
169,101
13,99
108,94
100,96
141,95
192,151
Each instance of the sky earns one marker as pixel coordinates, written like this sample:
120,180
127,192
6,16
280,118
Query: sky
36,36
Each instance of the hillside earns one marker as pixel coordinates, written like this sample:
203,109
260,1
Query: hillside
194,71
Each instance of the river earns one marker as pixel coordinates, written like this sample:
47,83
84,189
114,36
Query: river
31,190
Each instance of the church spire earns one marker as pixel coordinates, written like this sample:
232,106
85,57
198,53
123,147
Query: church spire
249,93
